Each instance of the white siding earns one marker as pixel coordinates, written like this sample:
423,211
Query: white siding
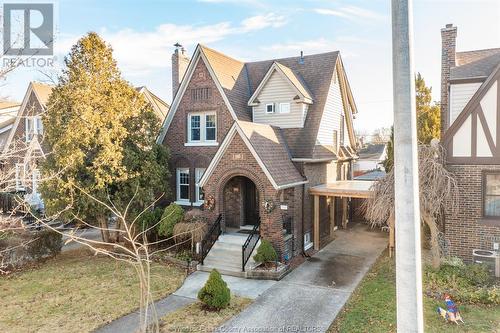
489,107
460,94
278,90
331,117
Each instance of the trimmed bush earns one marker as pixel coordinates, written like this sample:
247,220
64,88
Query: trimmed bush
172,215
265,252
46,243
150,218
215,294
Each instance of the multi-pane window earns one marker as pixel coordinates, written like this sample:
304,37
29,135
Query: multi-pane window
270,108
202,127
183,184
199,191
33,126
210,127
195,132
491,199
20,171
200,94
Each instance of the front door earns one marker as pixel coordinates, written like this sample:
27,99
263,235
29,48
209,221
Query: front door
250,203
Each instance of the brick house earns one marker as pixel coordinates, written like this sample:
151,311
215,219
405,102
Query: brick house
23,147
470,120
249,139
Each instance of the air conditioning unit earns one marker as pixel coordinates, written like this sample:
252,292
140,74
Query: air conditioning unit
490,258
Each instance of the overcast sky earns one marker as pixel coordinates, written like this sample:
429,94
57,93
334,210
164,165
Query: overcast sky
142,34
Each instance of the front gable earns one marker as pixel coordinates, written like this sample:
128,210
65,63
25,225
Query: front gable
198,57
474,136
199,95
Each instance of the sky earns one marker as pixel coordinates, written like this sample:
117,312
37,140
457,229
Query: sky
142,34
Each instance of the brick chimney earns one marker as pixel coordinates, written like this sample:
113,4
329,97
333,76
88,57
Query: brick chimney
448,50
180,62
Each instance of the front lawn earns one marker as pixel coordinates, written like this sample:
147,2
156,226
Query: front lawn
194,318
372,308
76,292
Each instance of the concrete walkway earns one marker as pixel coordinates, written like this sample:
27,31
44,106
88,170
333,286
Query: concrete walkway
187,294
311,296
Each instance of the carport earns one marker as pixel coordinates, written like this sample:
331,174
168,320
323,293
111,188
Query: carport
343,189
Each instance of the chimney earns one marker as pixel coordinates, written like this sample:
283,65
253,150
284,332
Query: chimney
180,62
448,50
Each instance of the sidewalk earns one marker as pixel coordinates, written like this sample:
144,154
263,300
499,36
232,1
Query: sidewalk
187,294
310,297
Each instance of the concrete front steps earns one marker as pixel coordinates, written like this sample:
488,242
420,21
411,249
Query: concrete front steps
225,256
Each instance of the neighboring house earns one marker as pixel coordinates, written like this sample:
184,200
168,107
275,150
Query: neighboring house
371,157
470,113
248,140
8,112
24,145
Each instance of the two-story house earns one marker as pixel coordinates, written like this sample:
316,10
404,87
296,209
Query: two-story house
248,140
470,130
24,146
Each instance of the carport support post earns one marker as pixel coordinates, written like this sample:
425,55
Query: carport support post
316,222
407,215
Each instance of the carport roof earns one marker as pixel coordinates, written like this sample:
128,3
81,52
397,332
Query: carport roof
344,188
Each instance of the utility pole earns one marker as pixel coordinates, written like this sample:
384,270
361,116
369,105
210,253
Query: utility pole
406,192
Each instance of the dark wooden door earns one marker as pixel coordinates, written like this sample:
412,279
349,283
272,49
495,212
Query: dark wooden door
251,202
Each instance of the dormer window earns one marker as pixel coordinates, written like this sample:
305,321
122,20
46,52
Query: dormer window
33,126
270,108
284,107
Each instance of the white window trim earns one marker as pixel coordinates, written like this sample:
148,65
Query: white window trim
272,104
198,202
33,126
308,244
178,186
203,130
35,179
285,104
19,174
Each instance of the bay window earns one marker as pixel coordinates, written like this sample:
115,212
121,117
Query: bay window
202,129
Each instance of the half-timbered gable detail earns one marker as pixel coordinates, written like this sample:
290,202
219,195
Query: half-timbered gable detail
472,137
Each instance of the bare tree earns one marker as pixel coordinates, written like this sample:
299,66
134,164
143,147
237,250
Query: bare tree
438,191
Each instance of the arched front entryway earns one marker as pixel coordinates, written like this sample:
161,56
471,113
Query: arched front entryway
240,203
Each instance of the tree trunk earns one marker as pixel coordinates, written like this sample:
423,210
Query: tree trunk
390,222
435,251
103,224
117,231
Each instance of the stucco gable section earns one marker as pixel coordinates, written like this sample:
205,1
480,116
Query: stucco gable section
474,136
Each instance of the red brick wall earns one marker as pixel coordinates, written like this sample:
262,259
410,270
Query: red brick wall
464,231
238,161
448,48
176,136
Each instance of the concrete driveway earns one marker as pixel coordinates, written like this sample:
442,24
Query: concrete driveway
311,296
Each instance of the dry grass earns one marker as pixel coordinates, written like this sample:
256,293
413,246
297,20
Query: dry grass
76,292
193,318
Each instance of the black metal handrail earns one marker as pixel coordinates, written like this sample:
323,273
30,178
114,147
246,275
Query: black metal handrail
210,238
249,245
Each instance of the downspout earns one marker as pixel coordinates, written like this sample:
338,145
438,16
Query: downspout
302,232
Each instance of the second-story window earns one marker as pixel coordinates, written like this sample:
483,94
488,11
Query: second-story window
33,126
202,128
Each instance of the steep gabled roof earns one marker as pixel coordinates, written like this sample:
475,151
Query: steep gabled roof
475,64
42,92
237,81
292,78
268,147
